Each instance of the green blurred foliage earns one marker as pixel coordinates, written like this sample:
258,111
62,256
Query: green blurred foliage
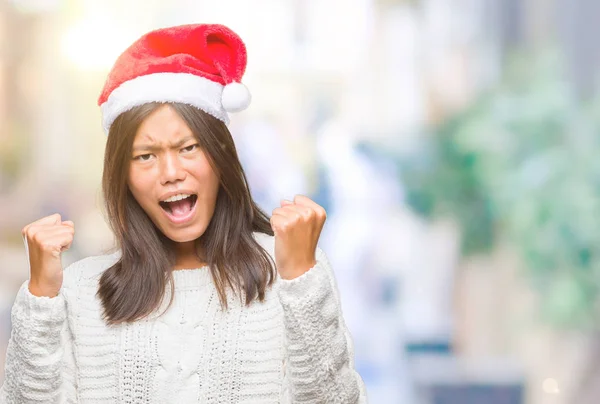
523,164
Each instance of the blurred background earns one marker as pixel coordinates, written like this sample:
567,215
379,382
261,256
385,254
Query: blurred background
453,143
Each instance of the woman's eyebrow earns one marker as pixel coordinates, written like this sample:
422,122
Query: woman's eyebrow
152,146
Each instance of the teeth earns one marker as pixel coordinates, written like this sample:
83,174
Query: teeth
177,197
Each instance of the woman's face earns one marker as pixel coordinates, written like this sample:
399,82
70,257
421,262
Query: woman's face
168,164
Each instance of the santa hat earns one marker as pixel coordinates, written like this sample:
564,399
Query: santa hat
197,64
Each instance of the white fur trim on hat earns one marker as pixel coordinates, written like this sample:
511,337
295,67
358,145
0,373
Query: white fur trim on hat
186,88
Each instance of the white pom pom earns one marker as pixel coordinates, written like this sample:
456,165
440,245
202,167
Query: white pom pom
235,97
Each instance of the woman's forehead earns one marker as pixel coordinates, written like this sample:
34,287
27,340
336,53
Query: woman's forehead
163,126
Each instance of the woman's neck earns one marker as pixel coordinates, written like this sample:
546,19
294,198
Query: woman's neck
187,256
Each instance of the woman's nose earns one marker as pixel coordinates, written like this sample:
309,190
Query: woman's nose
171,169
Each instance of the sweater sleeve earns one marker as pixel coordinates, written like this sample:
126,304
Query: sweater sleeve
320,364
38,346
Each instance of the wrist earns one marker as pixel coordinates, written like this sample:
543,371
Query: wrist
42,291
295,271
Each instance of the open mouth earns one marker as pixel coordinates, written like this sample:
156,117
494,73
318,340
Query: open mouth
180,208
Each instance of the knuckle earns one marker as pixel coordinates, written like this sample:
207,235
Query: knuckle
36,238
30,230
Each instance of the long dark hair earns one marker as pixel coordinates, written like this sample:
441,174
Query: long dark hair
136,284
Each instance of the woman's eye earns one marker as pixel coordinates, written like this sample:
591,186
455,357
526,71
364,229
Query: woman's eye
190,148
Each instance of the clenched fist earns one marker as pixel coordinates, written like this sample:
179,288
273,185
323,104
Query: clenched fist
297,226
45,240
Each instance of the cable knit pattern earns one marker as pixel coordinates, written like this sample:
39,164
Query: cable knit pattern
292,348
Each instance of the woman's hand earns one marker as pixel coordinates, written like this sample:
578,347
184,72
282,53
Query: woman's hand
297,226
45,240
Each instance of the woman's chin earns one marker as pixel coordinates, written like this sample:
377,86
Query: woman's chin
184,235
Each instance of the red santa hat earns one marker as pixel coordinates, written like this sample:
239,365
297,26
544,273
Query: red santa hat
197,64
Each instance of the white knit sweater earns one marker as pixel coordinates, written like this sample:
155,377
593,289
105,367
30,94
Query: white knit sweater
292,348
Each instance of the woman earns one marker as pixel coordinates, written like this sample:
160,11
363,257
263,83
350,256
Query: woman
205,299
